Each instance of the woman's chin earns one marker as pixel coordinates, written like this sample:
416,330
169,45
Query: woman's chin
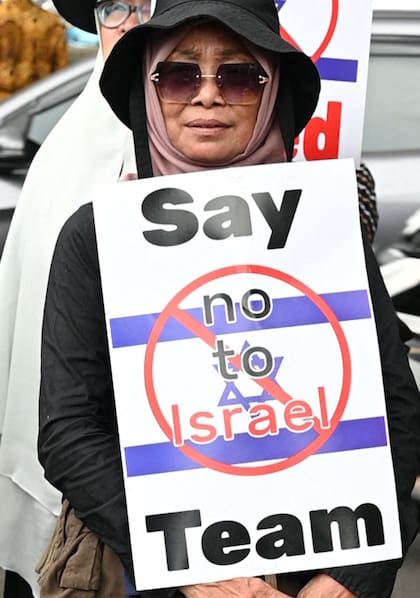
212,155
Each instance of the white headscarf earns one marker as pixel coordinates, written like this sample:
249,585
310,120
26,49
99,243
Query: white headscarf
89,145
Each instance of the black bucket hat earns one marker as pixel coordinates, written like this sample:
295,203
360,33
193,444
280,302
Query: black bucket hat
255,20
78,12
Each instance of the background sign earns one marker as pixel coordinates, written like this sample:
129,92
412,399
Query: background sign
336,34
246,373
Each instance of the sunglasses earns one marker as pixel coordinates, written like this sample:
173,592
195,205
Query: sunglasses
179,82
113,14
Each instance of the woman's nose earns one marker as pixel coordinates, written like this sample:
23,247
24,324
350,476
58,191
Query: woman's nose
209,93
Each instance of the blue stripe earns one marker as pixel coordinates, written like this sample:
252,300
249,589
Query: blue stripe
338,69
290,311
164,457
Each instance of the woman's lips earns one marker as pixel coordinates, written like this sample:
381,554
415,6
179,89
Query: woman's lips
207,125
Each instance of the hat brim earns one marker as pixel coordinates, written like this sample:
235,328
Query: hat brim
78,12
125,60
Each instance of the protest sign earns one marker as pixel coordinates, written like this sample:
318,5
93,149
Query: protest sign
246,373
336,34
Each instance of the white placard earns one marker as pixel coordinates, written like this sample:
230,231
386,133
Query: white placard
336,34
246,373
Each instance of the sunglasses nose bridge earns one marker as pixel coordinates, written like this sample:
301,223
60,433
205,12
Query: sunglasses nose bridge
209,90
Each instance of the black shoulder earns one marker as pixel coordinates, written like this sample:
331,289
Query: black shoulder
77,238
81,222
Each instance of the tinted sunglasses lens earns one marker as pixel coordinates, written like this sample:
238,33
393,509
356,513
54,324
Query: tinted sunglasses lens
112,14
177,82
241,83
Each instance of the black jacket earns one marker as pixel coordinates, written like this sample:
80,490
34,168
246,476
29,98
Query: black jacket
78,441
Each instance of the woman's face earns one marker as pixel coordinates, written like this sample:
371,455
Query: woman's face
207,128
110,36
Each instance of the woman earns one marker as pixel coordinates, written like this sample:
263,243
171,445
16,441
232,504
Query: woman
112,18
73,158
222,88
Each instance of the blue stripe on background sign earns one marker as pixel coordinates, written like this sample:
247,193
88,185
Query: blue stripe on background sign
338,69
164,457
287,311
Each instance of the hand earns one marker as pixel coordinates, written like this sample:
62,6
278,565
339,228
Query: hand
240,587
324,586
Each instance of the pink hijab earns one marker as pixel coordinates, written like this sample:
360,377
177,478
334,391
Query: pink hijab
266,144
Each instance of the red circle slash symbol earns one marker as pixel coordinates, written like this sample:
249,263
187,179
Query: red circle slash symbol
173,310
